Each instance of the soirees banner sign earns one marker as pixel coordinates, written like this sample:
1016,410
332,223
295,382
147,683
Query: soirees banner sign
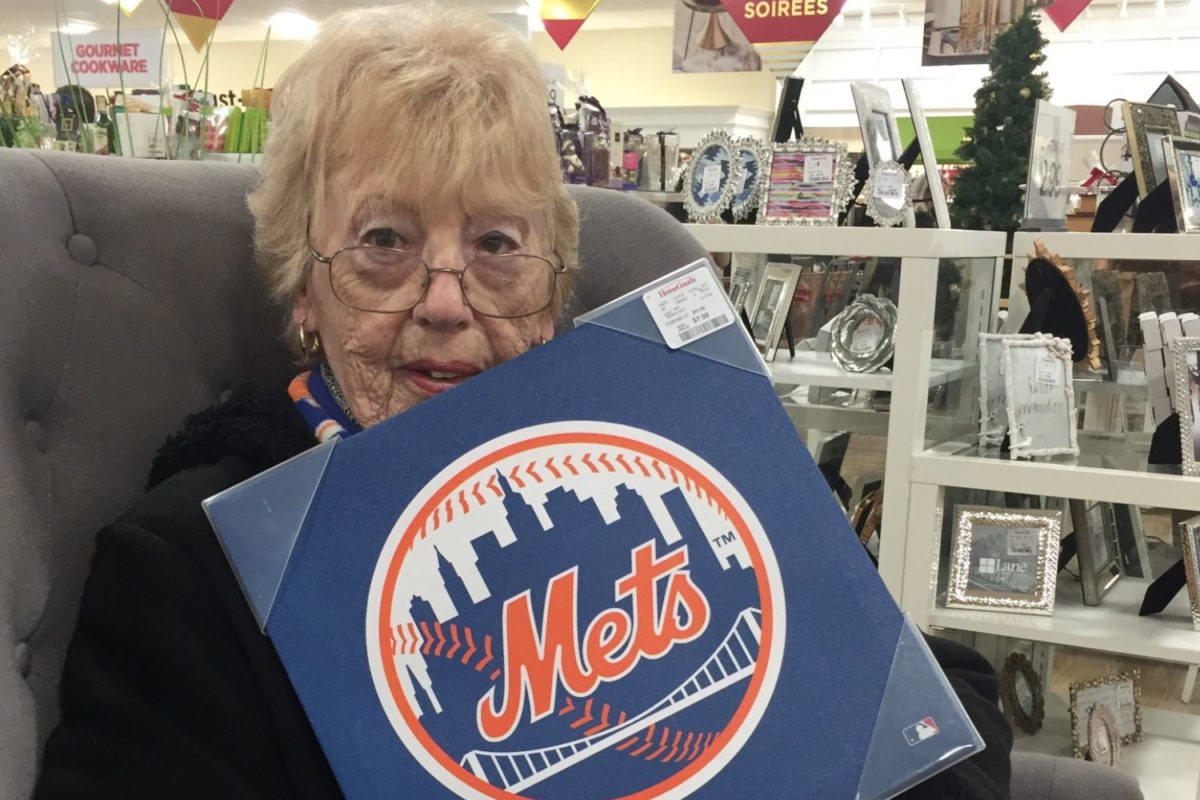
101,60
1063,12
784,31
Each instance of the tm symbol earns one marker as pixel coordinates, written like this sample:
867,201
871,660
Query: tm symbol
724,538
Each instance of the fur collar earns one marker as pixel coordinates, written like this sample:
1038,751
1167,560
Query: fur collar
258,424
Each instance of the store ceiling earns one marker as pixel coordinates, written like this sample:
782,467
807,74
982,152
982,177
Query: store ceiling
246,19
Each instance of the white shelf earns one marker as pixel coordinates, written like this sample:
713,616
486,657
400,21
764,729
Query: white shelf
1058,479
817,369
1112,627
1165,768
1113,246
925,243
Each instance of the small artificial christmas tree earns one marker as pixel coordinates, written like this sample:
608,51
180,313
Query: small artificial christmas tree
987,192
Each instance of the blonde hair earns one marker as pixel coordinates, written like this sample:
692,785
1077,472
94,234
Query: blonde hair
446,104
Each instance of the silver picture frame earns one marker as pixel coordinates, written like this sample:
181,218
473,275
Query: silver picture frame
1121,693
754,158
1189,536
711,177
937,192
772,301
1004,560
863,337
1097,549
1183,174
808,182
1104,740
1186,369
888,193
880,134
1046,202
876,122
1039,383
741,285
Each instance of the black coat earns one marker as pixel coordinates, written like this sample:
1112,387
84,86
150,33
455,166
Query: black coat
171,691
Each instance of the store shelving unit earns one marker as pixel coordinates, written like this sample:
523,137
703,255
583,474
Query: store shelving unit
1111,467
920,252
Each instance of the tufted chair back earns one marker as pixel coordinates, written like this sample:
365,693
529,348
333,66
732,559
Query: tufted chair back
129,298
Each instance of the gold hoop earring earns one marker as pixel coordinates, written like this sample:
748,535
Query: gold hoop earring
310,343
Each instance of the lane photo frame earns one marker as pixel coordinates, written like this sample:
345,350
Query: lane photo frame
1004,560
1189,535
1046,203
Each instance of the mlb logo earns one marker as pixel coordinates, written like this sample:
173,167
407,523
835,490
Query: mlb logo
920,731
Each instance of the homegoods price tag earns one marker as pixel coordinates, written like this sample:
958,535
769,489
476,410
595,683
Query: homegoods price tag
688,308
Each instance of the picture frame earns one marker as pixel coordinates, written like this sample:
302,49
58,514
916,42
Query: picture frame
1186,368
1146,127
1183,174
1104,741
1121,693
1189,535
863,338
1131,541
711,177
741,285
933,176
877,123
993,394
805,300
1004,560
770,307
754,157
1096,548
808,182
888,193
1046,204
1021,693
1039,383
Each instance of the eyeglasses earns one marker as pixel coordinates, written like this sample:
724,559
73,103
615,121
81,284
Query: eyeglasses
386,280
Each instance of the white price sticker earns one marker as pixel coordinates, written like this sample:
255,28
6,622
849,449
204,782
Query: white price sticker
689,308
818,168
711,180
1049,372
866,338
889,187
1024,696
1022,542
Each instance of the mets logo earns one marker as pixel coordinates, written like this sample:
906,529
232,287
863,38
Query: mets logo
576,609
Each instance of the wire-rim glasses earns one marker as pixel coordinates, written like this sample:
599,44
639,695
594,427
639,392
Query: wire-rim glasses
386,280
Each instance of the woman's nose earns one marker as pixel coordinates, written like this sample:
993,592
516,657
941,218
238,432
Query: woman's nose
444,303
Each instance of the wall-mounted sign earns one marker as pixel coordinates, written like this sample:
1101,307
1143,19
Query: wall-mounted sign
784,31
102,59
199,18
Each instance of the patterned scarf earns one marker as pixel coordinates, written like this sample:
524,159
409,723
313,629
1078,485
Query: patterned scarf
320,401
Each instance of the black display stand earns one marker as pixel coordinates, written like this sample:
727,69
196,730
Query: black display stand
787,116
1113,208
1156,213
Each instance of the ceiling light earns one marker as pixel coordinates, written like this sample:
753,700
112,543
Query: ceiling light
128,6
1160,8
77,27
293,25
1123,12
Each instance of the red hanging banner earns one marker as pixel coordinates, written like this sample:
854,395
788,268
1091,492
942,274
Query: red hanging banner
1063,12
563,18
784,31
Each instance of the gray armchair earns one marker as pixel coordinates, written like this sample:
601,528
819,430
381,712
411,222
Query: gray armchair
129,298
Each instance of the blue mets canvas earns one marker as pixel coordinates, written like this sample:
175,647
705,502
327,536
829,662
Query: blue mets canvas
607,569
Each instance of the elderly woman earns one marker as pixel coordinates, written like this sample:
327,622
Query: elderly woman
412,216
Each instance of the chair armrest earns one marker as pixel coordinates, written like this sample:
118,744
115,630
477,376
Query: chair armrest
1042,777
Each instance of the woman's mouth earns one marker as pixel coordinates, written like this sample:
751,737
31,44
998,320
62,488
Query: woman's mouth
435,377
